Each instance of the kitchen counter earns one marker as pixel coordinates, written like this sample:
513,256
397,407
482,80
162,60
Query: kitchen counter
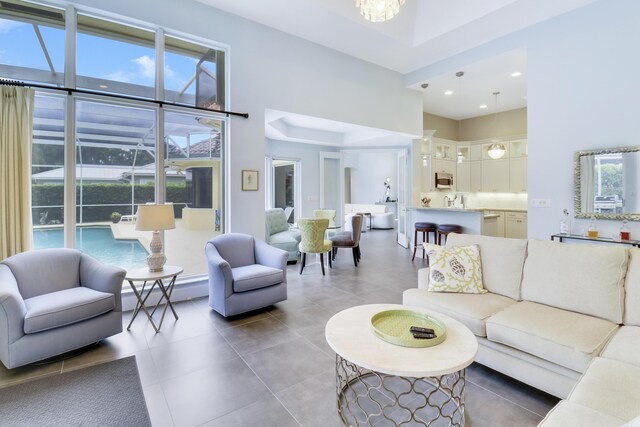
469,219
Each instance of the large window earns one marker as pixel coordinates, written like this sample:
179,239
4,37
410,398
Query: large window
31,43
115,58
95,159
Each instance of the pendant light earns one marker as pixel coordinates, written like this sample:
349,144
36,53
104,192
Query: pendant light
496,149
459,75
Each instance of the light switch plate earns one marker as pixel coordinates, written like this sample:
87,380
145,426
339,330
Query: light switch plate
540,203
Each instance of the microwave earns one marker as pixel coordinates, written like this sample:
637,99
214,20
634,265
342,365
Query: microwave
444,180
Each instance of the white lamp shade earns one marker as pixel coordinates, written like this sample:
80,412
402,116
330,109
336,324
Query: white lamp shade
155,217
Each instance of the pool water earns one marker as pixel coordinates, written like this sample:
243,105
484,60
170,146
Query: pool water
97,242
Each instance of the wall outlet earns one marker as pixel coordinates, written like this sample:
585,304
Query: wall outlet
540,203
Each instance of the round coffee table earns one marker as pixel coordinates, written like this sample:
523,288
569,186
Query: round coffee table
378,382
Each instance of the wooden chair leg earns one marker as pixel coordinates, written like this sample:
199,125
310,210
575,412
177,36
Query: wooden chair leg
425,238
355,257
304,259
415,244
329,256
322,262
335,251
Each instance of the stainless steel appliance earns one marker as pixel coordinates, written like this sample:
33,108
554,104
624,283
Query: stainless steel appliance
444,180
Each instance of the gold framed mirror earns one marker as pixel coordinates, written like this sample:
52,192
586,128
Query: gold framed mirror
606,183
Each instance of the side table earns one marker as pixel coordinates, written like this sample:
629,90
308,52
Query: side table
146,276
378,382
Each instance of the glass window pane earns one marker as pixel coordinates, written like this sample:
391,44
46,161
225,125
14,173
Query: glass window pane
193,74
115,58
47,189
193,183
31,43
115,172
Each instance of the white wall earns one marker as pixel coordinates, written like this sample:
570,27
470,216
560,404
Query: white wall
368,173
583,93
270,69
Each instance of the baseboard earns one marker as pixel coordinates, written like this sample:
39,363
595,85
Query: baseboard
181,292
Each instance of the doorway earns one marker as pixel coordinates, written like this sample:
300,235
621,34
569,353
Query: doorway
285,187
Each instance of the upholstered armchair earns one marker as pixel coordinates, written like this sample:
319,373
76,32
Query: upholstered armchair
56,300
313,241
245,274
278,234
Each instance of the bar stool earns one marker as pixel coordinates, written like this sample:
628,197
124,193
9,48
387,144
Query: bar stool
445,229
425,228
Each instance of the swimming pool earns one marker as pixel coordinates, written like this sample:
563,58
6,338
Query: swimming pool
97,242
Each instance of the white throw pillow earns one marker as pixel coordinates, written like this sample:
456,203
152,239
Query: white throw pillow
633,423
455,269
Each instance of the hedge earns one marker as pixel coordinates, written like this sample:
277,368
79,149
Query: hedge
100,194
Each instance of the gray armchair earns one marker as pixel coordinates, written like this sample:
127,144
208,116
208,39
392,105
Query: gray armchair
56,300
244,274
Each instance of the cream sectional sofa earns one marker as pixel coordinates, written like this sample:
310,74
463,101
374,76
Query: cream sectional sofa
557,316
380,216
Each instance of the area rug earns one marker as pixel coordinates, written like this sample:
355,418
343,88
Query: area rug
108,394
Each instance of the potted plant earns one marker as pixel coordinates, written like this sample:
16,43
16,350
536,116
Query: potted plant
115,217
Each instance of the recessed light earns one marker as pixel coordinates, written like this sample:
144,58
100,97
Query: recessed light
103,86
483,106
449,92
516,74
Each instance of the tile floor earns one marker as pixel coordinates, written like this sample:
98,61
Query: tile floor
274,367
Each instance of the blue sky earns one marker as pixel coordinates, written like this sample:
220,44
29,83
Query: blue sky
96,57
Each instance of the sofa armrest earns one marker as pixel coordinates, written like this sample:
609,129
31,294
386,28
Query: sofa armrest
220,273
423,278
102,277
270,256
12,311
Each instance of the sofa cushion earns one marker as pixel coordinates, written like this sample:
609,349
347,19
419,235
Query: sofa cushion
624,346
470,309
455,269
49,311
255,276
502,261
587,279
560,336
610,387
632,288
568,414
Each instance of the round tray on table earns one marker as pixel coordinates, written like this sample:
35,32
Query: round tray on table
393,326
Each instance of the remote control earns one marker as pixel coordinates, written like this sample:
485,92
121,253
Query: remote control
424,330
423,335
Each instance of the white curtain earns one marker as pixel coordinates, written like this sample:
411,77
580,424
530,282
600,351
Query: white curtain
16,124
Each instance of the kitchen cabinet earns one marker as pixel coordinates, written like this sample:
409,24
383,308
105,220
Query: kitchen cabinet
463,177
475,179
475,152
445,151
448,166
515,225
495,176
518,148
496,221
518,175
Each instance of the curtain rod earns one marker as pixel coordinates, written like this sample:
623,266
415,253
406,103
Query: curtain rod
6,82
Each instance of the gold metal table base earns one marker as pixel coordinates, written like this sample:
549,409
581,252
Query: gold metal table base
367,398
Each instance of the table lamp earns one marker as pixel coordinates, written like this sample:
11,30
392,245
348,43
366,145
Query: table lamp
155,218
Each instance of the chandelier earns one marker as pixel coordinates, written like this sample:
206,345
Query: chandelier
379,10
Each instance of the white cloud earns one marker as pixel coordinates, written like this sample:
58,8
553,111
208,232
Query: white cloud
146,66
6,26
119,76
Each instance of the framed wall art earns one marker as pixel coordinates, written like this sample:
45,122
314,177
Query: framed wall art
249,180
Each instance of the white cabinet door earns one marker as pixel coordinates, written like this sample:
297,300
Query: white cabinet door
463,178
495,176
475,179
448,166
518,175
516,225
475,152
499,227
445,151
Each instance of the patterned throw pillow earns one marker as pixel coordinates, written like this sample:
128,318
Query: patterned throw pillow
455,269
